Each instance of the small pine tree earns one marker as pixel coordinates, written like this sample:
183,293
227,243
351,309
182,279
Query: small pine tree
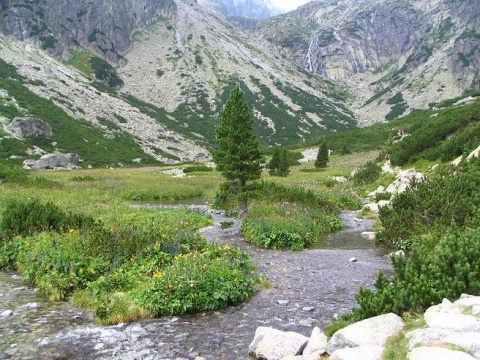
322,156
236,151
283,169
274,164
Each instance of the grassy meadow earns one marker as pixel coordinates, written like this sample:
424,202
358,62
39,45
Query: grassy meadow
74,234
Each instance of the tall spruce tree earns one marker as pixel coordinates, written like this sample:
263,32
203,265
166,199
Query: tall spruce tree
236,152
322,156
274,164
284,168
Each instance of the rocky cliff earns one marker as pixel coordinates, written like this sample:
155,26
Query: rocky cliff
177,66
251,9
103,27
422,51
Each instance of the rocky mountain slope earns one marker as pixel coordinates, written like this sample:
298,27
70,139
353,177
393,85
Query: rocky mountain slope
176,68
393,56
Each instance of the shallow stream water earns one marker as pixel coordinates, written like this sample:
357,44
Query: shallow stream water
308,288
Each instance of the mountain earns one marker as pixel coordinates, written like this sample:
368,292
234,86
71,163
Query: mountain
155,73
393,56
250,9
174,70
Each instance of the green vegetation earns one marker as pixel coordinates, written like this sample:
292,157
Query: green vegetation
104,72
77,136
445,136
121,262
279,163
292,217
367,174
432,206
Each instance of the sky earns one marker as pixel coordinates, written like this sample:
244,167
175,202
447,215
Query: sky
288,4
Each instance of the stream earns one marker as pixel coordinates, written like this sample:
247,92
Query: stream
308,288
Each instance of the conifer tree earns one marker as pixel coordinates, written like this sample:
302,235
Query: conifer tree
284,168
274,164
236,152
322,156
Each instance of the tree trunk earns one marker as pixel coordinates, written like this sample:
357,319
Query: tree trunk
244,203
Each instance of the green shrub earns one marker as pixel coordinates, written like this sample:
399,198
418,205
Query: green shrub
286,225
430,205
427,276
197,168
451,133
226,224
198,282
367,174
105,72
29,217
12,174
383,196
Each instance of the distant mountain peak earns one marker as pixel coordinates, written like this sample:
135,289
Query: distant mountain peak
251,9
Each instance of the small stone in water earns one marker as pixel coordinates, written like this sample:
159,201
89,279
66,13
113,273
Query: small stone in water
308,308
353,259
283,302
16,277
6,313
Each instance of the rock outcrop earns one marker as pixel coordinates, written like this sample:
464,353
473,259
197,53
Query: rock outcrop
370,332
452,332
273,344
421,52
52,161
98,26
30,127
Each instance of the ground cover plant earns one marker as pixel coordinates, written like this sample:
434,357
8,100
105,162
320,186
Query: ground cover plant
112,258
292,217
142,259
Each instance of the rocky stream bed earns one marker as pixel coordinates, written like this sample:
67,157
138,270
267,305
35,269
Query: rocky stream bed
308,288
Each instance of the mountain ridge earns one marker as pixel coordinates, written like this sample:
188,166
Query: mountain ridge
303,73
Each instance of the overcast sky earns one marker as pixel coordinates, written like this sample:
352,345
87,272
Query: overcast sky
288,4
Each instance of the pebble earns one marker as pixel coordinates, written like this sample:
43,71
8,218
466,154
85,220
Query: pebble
308,308
6,313
353,259
283,302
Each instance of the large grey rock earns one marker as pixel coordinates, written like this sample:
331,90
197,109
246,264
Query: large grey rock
272,344
448,316
436,353
357,353
368,332
467,301
30,127
316,346
50,161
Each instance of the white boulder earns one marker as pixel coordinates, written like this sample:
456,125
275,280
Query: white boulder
436,353
272,344
448,316
316,346
368,332
364,353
